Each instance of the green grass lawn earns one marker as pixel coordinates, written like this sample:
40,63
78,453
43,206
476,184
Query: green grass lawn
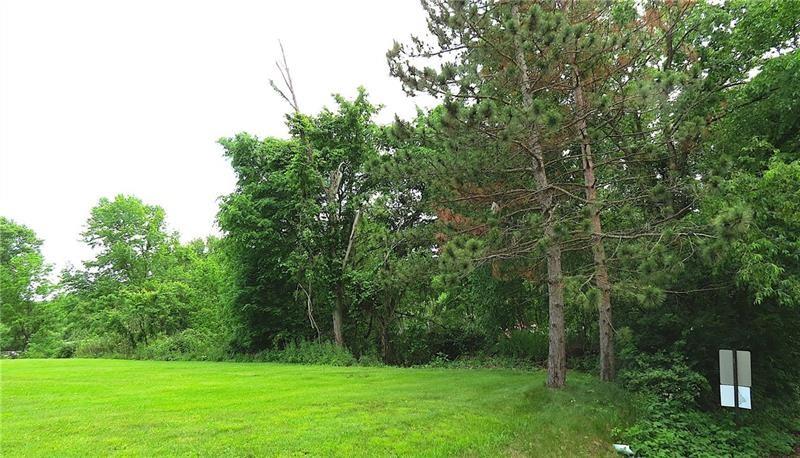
150,408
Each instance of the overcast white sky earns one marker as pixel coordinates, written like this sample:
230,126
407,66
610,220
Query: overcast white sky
104,97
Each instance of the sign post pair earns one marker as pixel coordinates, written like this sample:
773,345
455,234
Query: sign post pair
735,379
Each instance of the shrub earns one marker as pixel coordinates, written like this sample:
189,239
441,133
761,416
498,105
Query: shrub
48,344
482,362
417,343
523,344
370,358
667,431
189,344
102,347
438,360
666,376
589,363
410,346
670,423
304,352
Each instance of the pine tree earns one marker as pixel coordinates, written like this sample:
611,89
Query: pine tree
502,117
524,84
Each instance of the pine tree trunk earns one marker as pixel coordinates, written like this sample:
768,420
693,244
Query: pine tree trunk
557,352
598,250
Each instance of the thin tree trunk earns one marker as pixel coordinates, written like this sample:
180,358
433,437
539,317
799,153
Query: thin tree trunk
351,239
385,343
338,317
384,333
310,310
338,311
557,353
598,250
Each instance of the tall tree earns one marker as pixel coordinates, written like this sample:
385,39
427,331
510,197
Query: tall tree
125,291
514,80
23,284
495,100
300,201
129,236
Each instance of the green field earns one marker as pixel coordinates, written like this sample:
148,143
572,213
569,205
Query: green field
149,408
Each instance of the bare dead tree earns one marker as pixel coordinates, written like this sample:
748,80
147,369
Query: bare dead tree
283,69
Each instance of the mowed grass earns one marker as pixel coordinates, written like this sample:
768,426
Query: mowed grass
150,408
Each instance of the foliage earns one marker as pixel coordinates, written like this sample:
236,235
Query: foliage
483,362
420,343
765,257
130,239
524,344
108,346
291,220
667,378
669,424
188,344
23,285
667,431
325,353
50,345
144,294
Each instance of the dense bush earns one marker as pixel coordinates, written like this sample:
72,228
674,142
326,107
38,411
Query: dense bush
419,344
524,345
189,344
483,362
667,431
670,423
49,344
370,358
102,347
665,377
304,352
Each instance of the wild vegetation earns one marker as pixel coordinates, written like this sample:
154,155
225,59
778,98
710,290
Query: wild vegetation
612,187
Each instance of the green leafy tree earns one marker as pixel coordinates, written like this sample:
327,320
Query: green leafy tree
127,290
294,217
130,238
23,285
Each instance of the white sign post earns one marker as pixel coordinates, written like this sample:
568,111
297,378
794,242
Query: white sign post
735,379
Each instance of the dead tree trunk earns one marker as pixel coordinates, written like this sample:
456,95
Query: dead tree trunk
339,310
